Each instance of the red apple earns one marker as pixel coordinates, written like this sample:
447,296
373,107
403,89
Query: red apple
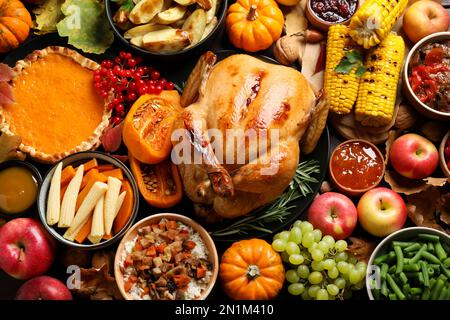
423,18
414,156
381,211
43,288
334,214
26,250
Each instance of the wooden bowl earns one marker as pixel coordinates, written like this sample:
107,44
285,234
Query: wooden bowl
419,105
347,190
131,234
320,23
442,161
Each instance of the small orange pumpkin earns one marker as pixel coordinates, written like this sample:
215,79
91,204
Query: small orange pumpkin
15,23
254,25
251,270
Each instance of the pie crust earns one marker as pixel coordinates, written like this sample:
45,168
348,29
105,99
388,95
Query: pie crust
92,142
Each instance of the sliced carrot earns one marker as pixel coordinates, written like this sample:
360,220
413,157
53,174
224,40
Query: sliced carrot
116,173
93,178
181,280
91,164
138,246
84,232
172,224
107,236
127,286
105,167
63,191
151,252
90,175
201,271
67,174
126,210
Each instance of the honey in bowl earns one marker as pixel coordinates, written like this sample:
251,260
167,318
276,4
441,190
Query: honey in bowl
18,189
357,165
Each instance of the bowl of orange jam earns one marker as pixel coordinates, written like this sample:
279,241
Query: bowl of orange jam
19,184
356,166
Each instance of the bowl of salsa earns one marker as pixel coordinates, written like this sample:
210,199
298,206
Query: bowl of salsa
426,77
324,13
356,166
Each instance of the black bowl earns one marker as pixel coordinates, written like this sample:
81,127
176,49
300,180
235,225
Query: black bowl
199,48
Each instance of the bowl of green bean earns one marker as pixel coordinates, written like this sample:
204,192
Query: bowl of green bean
410,264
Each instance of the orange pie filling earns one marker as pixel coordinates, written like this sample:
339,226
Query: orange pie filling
56,106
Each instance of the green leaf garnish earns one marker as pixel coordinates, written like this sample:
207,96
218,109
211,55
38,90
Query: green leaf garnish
126,5
360,71
352,59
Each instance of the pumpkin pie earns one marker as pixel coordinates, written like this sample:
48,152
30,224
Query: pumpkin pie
57,111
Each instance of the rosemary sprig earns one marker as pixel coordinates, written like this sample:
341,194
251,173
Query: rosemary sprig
300,186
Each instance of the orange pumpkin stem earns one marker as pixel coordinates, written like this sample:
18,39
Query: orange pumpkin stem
253,272
252,14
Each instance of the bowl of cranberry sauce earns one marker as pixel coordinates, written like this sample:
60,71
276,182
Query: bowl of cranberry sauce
324,13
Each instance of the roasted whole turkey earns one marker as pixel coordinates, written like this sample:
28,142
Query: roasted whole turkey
266,109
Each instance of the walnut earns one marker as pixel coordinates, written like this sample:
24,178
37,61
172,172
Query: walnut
433,130
406,117
287,49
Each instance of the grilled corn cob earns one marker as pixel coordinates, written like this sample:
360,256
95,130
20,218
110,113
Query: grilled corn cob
341,89
373,21
378,87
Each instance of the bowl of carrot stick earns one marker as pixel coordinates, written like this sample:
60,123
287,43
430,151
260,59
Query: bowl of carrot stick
88,200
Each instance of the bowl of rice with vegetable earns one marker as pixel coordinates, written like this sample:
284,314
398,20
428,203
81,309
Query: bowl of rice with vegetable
166,257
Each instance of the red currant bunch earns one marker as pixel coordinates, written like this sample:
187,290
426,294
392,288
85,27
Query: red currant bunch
126,79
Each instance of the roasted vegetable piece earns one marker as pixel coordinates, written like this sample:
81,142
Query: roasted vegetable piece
148,126
341,88
378,87
159,184
374,20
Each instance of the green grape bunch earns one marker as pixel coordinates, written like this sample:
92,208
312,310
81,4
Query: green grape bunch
318,267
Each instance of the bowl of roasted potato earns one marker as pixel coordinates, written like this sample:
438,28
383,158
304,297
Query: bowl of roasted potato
167,28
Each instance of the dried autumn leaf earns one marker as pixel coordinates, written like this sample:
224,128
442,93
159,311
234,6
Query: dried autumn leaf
86,25
103,258
75,257
422,208
98,284
361,248
48,14
392,135
6,73
407,186
444,208
112,138
6,93
404,185
123,158
9,146
294,19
